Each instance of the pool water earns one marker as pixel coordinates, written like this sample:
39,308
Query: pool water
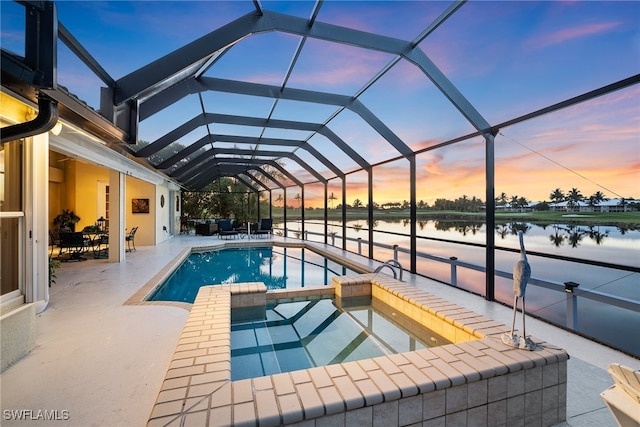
304,334
276,267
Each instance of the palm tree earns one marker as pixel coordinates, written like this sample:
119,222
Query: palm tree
574,197
332,197
501,200
298,197
599,196
513,202
557,196
522,203
596,198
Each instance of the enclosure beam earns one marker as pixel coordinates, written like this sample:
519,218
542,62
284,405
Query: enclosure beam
490,251
344,213
370,209
413,214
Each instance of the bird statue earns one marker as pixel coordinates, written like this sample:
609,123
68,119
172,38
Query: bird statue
521,275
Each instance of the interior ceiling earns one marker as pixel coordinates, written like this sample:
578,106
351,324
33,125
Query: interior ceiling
168,113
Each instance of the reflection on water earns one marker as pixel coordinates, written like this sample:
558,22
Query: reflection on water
614,244
277,268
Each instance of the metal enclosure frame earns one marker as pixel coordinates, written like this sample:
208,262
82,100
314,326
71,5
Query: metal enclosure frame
127,101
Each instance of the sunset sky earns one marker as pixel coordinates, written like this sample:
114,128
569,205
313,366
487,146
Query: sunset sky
506,58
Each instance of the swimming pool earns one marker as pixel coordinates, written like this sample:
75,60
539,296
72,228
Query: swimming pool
277,267
320,332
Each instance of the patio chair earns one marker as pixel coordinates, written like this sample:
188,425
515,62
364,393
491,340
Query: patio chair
265,227
226,229
74,244
131,239
101,246
623,398
54,240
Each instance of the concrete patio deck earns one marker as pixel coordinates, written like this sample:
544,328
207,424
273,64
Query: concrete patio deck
98,362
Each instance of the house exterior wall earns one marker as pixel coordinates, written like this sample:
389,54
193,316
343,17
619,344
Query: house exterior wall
146,222
24,272
34,192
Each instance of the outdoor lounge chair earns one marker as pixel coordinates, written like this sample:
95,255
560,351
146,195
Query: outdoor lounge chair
226,229
623,398
265,227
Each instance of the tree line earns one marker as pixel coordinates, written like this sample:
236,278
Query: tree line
225,198
465,203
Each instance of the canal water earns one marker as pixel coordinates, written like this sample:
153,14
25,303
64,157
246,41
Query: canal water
607,324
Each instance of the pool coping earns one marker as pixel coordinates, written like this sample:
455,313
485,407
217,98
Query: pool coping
477,374
141,295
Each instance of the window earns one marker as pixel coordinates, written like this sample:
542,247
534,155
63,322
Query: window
10,215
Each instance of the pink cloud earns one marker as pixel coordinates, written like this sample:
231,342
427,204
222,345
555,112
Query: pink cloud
432,165
324,63
566,34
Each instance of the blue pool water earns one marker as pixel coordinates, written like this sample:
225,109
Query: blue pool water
304,334
277,267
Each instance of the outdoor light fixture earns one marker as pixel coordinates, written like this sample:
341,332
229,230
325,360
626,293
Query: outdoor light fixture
100,223
56,129
570,286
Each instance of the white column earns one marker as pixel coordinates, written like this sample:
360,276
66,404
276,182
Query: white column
117,216
36,208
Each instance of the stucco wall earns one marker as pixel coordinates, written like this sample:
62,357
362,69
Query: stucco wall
86,191
146,222
164,213
18,334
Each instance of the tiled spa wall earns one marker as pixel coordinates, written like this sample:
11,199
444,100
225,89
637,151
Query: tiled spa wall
476,381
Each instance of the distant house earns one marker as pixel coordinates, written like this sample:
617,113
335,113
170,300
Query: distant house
612,205
508,208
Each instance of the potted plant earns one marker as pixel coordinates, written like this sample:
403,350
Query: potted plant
66,219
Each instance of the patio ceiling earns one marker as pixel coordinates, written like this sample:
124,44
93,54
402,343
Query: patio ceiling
183,74
194,154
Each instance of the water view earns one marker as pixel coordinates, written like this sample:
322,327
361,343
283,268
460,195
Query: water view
600,243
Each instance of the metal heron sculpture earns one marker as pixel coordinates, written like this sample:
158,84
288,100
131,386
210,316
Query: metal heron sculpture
521,275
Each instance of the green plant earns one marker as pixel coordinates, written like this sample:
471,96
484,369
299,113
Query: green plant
66,219
53,265
91,229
